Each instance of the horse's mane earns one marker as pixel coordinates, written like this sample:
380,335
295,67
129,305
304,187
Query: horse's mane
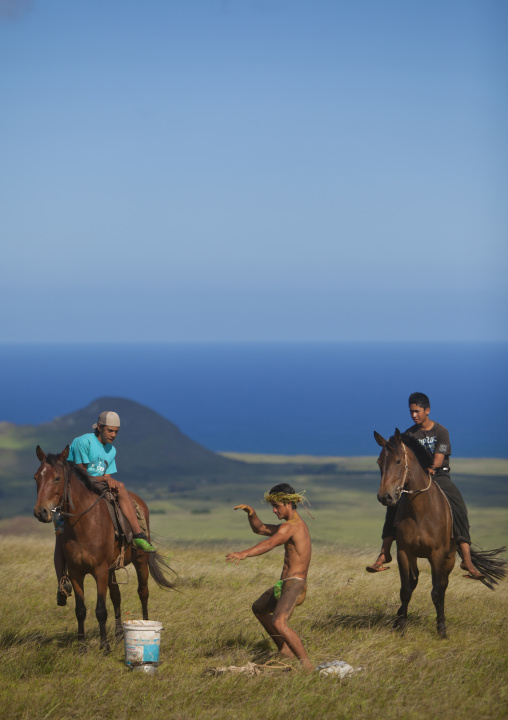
72,468
412,444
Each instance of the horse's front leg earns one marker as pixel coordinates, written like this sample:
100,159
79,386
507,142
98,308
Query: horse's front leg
80,609
408,571
116,599
441,565
101,612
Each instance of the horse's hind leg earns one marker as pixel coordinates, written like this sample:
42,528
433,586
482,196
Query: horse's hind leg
141,566
101,612
408,571
441,568
116,599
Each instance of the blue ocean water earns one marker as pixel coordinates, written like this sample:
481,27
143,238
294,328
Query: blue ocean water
319,399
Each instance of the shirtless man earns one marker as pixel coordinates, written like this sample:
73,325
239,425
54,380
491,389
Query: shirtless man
275,606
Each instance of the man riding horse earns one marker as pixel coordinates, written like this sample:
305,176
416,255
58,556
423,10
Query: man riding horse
94,453
431,443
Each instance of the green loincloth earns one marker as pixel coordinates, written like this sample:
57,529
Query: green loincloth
277,589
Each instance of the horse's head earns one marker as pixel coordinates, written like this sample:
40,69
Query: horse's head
393,464
50,480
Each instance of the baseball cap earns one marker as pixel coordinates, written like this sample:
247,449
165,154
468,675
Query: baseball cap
109,418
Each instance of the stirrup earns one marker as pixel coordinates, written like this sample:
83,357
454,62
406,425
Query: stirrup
65,586
64,591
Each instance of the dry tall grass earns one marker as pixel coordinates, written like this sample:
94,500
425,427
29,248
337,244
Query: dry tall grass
347,616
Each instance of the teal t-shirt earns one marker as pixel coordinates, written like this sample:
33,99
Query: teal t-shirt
99,458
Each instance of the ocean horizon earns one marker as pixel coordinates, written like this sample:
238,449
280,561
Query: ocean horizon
281,398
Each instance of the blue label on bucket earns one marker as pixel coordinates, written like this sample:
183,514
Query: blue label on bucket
142,643
142,651
151,653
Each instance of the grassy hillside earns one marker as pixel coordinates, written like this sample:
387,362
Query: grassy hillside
164,466
347,616
152,452
342,492
464,466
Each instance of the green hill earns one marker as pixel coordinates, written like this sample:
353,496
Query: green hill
152,452
184,480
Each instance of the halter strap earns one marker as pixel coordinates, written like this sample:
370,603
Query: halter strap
66,496
101,496
407,475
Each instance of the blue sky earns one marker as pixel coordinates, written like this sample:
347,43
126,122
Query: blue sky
253,170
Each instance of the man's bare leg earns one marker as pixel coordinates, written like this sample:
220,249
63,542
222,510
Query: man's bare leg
128,509
266,621
293,594
467,563
383,557
293,642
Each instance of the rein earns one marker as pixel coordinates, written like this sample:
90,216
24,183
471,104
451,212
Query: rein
66,497
407,475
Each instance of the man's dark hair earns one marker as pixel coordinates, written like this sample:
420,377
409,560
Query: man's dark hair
284,488
419,399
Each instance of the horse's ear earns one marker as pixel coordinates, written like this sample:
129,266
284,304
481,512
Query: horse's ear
40,454
64,454
380,440
397,435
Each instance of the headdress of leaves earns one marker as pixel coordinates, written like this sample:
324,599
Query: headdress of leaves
281,497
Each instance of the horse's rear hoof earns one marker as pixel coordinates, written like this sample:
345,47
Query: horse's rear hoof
441,631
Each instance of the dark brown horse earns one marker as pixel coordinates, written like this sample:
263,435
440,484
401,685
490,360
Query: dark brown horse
423,528
89,541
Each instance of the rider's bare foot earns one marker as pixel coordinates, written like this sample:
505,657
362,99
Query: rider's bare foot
472,572
378,566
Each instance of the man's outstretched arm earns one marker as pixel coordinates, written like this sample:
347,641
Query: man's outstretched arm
280,537
257,526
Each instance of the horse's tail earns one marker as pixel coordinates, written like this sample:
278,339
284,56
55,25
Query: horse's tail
158,567
487,562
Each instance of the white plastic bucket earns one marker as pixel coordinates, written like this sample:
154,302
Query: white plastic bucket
142,640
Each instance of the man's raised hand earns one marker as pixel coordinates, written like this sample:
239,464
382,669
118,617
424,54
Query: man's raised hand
246,508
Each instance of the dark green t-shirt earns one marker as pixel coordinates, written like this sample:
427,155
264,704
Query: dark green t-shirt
435,440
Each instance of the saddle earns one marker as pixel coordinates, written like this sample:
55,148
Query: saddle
449,507
123,530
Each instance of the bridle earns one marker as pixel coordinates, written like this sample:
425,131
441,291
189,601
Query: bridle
66,499
407,475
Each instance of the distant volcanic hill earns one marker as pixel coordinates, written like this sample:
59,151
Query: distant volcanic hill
152,452
147,443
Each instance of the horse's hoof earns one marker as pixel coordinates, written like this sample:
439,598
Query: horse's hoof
400,625
442,633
